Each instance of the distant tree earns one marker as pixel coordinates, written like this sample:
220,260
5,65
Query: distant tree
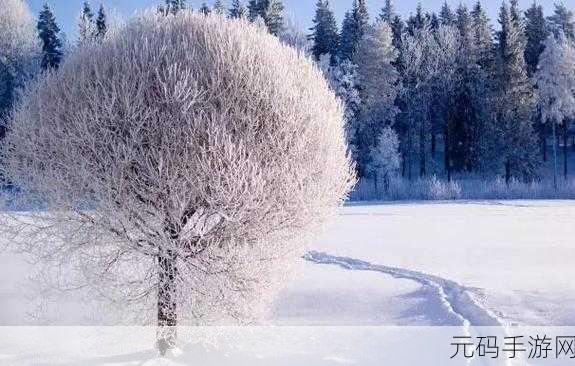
562,21
556,86
343,79
19,53
354,26
324,31
379,86
417,21
483,37
385,158
515,100
48,32
238,10
219,7
205,9
446,16
272,12
387,12
172,7
255,9
536,31
101,26
86,26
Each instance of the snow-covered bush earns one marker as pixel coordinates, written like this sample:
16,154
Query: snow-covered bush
385,158
183,163
19,49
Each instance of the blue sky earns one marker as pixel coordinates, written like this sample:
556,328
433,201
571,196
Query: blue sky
300,10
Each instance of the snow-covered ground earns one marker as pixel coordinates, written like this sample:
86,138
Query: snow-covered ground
372,288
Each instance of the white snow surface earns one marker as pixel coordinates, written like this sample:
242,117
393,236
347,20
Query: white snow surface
380,278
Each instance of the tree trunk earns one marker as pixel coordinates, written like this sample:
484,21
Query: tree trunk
167,301
554,156
507,172
565,151
422,155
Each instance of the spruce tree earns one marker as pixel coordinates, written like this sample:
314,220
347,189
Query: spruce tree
238,10
51,44
86,26
387,12
254,9
172,7
536,31
101,26
562,21
272,12
515,99
219,7
446,16
205,9
354,26
483,35
324,31
417,21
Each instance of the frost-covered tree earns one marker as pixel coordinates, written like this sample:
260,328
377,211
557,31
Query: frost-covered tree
353,28
483,37
172,7
555,79
86,26
536,31
238,10
378,86
294,36
219,7
515,99
19,51
427,59
101,25
384,157
446,16
343,79
324,31
562,21
205,9
165,194
48,32
387,13
272,12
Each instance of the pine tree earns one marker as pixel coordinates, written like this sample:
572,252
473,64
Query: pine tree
51,44
387,12
417,21
172,7
86,26
446,16
324,32
272,12
219,7
254,9
556,86
354,26
205,9
376,73
101,26
238,10
562,21
483,34
536,33
515,99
